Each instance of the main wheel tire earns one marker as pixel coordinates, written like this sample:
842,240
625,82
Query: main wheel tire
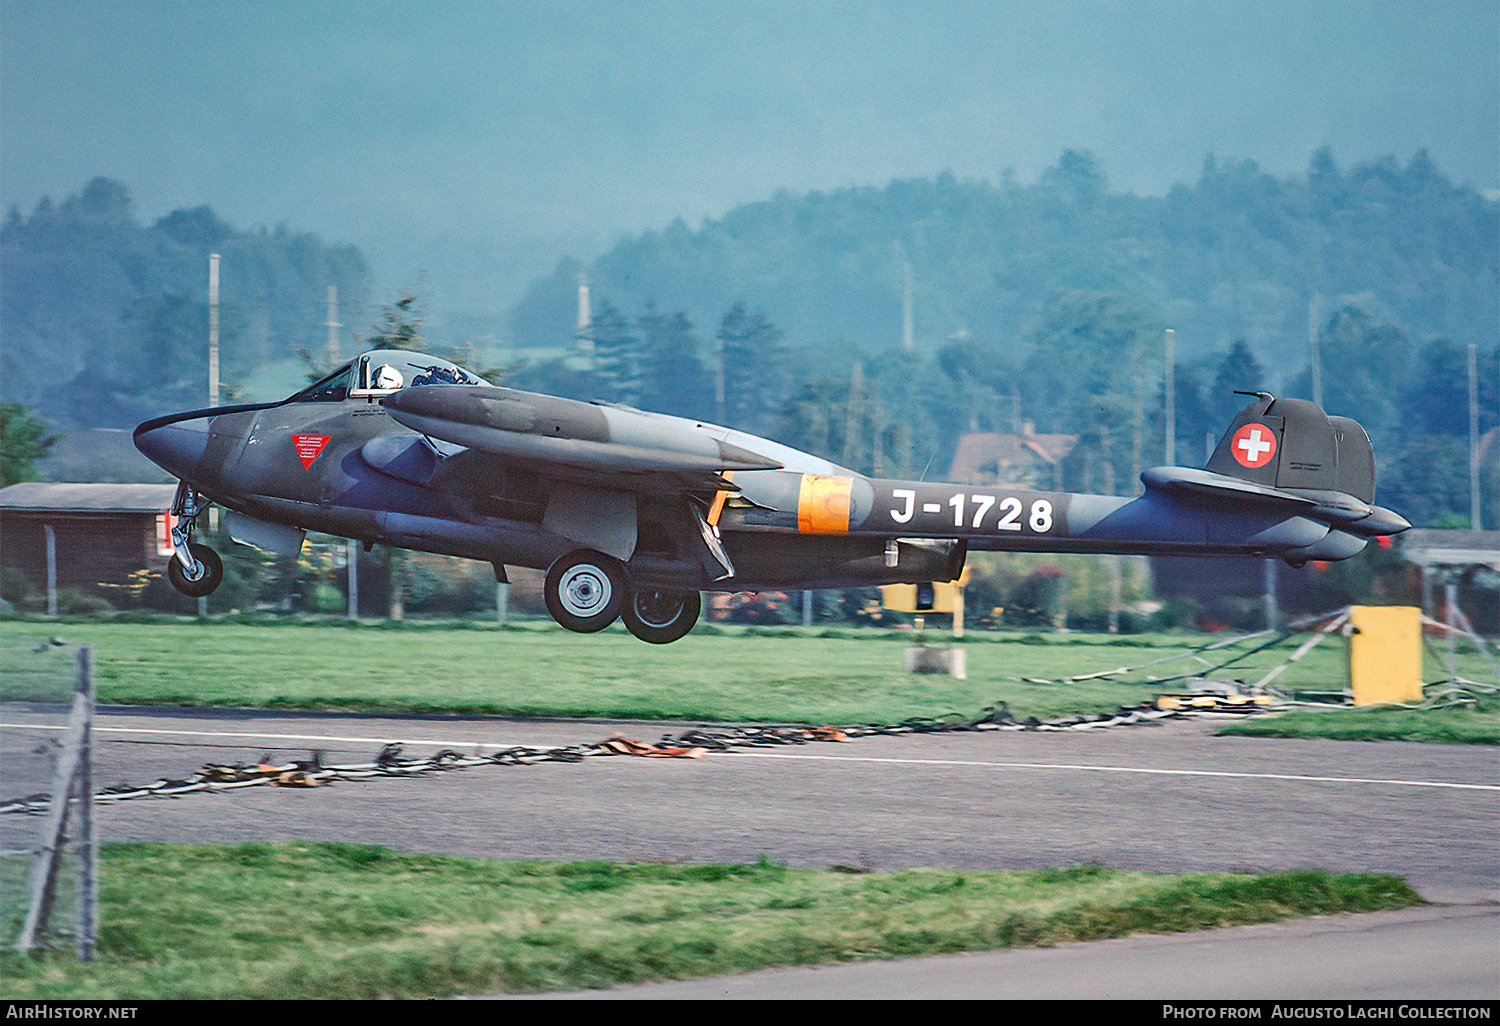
585,590
211,572
661,617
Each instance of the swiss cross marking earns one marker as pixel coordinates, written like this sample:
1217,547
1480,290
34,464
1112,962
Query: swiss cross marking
1254,445
308,447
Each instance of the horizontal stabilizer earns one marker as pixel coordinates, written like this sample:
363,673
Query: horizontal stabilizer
1338,509
1205,484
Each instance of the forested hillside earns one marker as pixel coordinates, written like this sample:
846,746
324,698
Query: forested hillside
1047,305
1239,254
1042,304
104,321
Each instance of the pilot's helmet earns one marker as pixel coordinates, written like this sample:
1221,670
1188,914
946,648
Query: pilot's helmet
386,376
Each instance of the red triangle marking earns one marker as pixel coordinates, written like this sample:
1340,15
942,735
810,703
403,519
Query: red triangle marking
308,447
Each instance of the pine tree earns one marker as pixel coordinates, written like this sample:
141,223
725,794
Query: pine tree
617,355
751,372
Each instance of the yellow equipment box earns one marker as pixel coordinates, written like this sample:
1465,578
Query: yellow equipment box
1385,654
936,597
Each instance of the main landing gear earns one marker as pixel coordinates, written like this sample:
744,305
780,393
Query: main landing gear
661,617
586,591
195,570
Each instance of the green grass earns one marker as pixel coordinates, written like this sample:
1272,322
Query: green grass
348,921
1477,726
536,669
540,670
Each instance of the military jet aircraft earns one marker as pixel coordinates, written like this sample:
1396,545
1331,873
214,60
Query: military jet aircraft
633,514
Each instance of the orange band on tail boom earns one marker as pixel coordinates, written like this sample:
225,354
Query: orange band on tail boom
823,504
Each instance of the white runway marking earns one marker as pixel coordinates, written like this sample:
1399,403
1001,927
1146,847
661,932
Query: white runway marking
1123,769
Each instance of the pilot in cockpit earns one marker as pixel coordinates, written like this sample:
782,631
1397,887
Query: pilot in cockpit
386,377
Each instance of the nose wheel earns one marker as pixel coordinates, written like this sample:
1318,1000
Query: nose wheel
204,576
195,570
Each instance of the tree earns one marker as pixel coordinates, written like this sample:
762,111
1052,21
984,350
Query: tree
1428,480
751,372
674,379
617,354
198,228
1077,179
1364,364
1194,419
1438,402
812,419
1239,371
400,326
23,441
1091,371
104,321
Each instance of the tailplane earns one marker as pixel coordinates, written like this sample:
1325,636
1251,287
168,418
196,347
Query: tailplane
1289,453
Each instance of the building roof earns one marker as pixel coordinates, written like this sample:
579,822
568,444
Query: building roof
1452,548
48,496
1003,455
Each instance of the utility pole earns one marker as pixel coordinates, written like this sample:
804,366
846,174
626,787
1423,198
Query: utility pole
1170,397
1315,358
719,377
908,322
351,559
213,329
1474,438
332,355
585,334
1272,607
213,364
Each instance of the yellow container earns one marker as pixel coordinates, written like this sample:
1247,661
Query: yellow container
937,597
1385,654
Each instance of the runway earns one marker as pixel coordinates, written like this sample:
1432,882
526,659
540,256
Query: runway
1167,798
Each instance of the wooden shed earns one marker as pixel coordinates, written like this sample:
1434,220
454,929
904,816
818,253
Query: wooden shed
86,536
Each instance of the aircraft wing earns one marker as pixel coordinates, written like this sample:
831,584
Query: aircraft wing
570,440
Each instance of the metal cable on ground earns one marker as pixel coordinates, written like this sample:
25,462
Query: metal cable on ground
1277,636
693,743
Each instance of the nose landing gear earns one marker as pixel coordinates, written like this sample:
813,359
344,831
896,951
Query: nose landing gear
195,570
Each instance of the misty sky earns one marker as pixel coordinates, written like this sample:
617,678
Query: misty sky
466,146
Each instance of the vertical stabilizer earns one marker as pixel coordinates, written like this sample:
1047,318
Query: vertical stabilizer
1292,443
1251,448
1356,470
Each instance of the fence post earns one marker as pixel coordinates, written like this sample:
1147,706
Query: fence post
71,776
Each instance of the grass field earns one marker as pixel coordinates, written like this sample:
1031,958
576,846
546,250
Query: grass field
715,674
309,920
348,921
1477,726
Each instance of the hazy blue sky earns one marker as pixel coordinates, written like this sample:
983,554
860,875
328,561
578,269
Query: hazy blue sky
467,145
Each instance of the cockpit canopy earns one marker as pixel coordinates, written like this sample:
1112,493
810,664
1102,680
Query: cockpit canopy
384,371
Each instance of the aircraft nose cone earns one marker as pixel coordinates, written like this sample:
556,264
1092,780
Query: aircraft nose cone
175,447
